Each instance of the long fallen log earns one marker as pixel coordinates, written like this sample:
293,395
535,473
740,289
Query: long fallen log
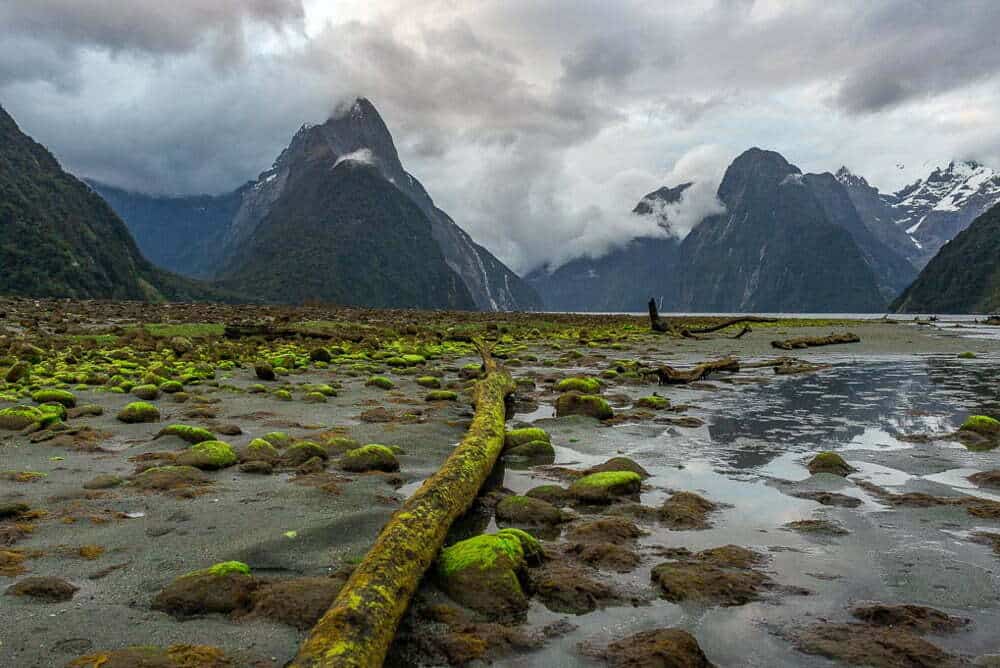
359,626
816,341
727,323
668,375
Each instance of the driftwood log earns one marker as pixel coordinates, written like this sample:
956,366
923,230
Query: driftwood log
359,626
658,324
655,323
815,341
668,375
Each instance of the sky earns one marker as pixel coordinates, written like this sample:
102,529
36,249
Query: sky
537,125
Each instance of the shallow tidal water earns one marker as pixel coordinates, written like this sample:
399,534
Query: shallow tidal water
759,431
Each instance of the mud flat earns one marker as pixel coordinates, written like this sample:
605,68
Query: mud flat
671,521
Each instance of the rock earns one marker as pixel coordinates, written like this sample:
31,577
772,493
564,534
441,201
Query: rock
518,437
430,382
863,645
821,527
619,464
605,556
829,462
181,345
341,444
441,395
10,510
581,385
380,382
986,478
565,588
166,478
18,371
605,487
67,399
654,402
146,392
208,455
171,387
372,457
44,589
311,466
659,648
301,452
536,452
830,499
981,424
259,450
299,602
139,411
314,398
605,530
591,405
186,433
524,510
224,588
721,576
87,410
106,481
916,618
15,418
278,439
554,494
229,429
320,355
485,572
686,510
265,371
257,467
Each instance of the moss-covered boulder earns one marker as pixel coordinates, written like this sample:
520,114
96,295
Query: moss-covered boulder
581,385
320,355
534,452
259,450
441,395
15,418
146,392
606,487
590,405
380,382
487,573
525,511
186,433
829,462
264,371
171,387
554,494
208,456
314,398
64,397
620,464
17,372
222,588
300,452
371,457
686,511
139,411
44,589
430,382
653,402
516,437
169,478
668,648
983,425
278,439
340,444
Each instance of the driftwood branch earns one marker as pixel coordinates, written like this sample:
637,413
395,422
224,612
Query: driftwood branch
815,341
658,324
359,626
668,375
655,323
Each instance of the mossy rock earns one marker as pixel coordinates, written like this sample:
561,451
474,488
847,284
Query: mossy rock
221,568
536,452
341,444
485,572
554,494
278,439
282,395
148,656
620,464
653,402
320,355
967,355
314,398
139,411
372,457
430,382
589,405
405,360
52,413
146,392
669,647
441,395
686,511
300,452
168,478
829,462
516,437
64,397
171,387
605,487
983,425
15,418
581,385
223,588
380,382
18,371
259,450
265,371
44,589
526,510
186,433
208,456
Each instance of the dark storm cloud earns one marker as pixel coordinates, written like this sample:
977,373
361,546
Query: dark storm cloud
537,125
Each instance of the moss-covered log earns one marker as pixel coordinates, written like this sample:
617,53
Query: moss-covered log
668,375
359,627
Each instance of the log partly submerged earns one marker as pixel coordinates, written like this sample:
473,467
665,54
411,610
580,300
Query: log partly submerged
815,341
359,626
668,375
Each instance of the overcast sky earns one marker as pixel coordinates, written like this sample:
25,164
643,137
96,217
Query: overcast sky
536,124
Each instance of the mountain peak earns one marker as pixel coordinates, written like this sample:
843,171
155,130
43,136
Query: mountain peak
755,168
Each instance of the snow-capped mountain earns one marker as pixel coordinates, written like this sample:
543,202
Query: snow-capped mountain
928,213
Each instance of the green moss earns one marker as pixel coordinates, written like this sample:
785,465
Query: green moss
18,417
220,569
967,355
371,457
608,479
314,398
532,450
429,382
654,402
258,448
829,462
341,444
982,424
208,455
171,386
67,399
187,433
532,548
305,450
582,385
481,553
381,382
441,395
590,405
146,392
278,439
139,411
516,437
282,395
405,360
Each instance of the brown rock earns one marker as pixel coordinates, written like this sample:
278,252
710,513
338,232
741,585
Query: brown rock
45,589
660,648
863,645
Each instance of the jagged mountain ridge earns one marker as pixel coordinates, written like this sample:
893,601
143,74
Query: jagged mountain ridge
60,239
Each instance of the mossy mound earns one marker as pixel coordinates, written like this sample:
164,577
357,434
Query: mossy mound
44,589
341,444
589,405
485,572
208,456
222,588
380,382
299,453
146,392
605,487
982,424
669,648
299,602
554,494
372,457
139,411
967,355
566,588
259,450
430,382
15,418
314,398
320,355
536,452
278,439
64,397
265,371
620,464
581,385
147,656
605,530
441,395
186,433
829,462
221,568
711,578
168,478
516,437
18,371
171,386
653,402
525,511
686,511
